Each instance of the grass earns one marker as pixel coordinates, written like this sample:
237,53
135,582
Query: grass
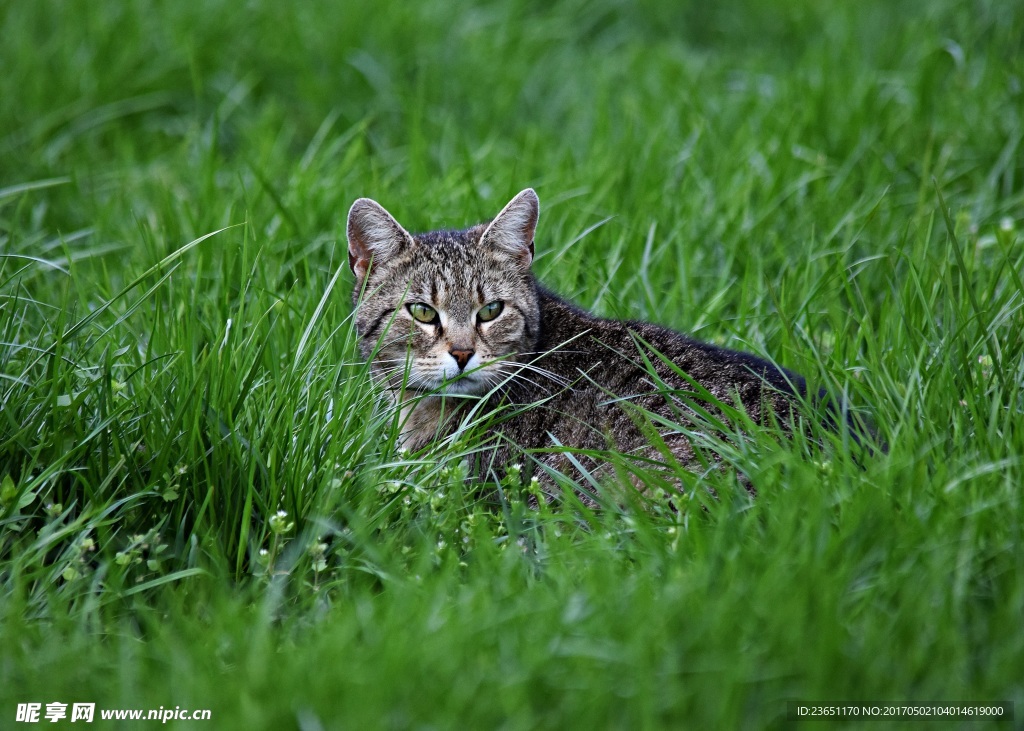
836,186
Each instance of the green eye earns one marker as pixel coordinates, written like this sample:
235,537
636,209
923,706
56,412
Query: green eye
489,311
423,313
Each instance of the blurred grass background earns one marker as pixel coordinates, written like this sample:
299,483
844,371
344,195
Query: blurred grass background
764,175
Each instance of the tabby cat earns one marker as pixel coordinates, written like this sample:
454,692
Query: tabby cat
456,323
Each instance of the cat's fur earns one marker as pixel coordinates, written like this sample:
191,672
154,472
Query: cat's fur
584,374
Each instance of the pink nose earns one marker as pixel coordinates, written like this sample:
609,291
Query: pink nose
461,357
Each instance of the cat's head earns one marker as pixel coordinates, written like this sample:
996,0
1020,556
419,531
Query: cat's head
452,309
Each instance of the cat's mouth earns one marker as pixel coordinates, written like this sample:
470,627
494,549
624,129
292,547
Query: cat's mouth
437,382
465,386
469,384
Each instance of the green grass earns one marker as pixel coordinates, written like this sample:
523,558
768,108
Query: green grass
837,185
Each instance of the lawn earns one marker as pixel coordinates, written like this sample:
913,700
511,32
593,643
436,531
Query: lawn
201,502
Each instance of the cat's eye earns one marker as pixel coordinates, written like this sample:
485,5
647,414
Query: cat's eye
491,310
424,313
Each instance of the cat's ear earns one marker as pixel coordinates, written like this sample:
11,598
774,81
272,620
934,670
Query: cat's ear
512,230
373,233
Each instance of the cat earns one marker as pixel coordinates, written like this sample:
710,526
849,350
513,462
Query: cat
454,323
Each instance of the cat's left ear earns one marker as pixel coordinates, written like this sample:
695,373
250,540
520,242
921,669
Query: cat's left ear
512,230
373,235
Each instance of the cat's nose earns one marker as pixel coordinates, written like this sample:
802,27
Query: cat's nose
461,357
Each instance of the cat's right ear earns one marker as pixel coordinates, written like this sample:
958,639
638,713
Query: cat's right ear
373,234
512,230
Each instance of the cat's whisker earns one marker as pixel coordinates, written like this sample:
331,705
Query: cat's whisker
515,377
548,373
564,383
521,378
541,353
513,359
396,377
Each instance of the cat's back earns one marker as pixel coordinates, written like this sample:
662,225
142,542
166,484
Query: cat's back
624,353
590,378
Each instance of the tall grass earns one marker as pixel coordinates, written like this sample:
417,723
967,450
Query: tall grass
201,503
